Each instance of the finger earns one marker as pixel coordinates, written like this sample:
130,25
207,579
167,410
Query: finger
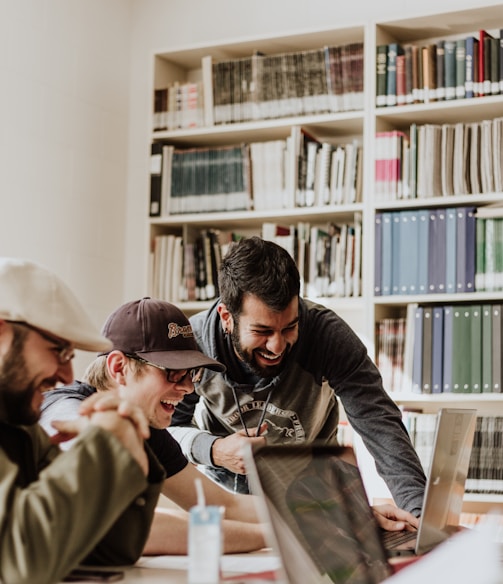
67,429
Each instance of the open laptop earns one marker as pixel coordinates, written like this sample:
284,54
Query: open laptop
322,525
445,486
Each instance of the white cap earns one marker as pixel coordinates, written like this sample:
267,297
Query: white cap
30,293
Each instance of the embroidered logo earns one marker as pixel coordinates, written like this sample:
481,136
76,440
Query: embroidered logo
174,330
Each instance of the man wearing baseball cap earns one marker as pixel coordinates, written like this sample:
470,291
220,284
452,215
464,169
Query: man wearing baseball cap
153,364
59,509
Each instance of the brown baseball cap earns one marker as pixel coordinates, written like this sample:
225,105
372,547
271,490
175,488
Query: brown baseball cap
158,332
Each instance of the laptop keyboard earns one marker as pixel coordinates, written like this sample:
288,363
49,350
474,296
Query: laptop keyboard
393,538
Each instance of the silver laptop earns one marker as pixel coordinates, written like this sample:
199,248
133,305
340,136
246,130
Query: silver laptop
322,526
445,486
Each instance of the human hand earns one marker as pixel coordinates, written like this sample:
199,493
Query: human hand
393,518
227,452
110,400
124,420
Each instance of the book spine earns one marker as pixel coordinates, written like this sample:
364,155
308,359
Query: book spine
460,68
155,179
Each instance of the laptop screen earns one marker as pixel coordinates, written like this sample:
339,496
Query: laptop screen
316,501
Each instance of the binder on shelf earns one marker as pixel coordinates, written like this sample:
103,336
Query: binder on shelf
487,348
437,345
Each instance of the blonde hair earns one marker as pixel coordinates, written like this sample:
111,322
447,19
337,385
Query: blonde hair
98,376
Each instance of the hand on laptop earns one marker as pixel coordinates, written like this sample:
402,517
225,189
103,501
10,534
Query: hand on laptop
392,518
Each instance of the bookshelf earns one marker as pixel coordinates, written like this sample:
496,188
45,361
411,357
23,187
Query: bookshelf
337,126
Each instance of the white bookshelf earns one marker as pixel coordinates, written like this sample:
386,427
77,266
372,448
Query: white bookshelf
362,313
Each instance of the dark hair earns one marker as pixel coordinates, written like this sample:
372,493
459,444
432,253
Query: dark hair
258,267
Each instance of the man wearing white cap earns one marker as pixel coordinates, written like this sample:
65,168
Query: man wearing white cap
153,364
94,503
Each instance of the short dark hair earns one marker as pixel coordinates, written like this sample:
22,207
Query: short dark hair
258,267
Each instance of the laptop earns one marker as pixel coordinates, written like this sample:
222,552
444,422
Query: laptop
321,523
445,485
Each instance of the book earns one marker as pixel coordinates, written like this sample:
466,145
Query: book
409,79
440,70
207,76
437,356
471,66
484,64
387,253
395,252
394,49
417,359
447,158
450,69
427,352
437,241
408,356
497,348
448,349
401,90
461,364
381,73
377,254
423,259
487,348
465,249
476,348
408,252
429,60
155,179
460,68
450,250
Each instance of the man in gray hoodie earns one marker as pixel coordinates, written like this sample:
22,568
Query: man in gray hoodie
287,359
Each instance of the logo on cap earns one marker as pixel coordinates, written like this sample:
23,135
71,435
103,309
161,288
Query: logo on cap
174,330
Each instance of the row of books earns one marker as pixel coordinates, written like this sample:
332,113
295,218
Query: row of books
258,86
485,474
185,271
442,349
405,242
199,180
447,69
329,261
328,258
179,106
300,171
439,160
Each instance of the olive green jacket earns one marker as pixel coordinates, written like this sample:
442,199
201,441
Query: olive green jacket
91,504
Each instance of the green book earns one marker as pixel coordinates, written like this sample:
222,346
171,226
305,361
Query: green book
461,350
487,349
460,68
497,369
476,348
480,254
381,68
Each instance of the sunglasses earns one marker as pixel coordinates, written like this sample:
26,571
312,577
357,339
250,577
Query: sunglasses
172,375
63,349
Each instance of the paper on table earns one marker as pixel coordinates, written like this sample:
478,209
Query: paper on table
232,563
470,556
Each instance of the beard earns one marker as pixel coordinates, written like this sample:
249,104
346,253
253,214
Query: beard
16,391
248,356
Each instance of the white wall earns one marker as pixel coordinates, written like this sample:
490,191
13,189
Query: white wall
64,98
75,100
163,24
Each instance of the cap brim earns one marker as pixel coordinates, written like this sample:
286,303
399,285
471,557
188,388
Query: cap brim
182,360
